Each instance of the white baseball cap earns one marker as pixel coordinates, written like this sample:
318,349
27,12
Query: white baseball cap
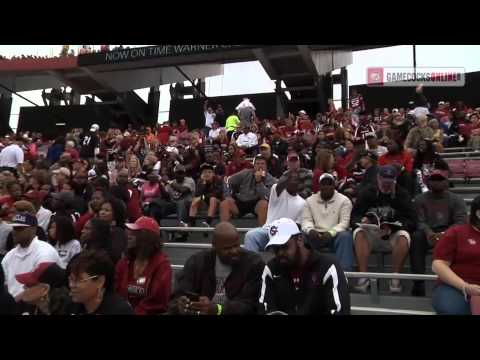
94,127
281,231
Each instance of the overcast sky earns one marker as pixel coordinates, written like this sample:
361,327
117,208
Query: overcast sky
233,81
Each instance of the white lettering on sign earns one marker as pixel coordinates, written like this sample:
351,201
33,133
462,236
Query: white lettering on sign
161,50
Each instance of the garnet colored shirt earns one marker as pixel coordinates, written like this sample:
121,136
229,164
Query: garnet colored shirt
460,245
404,159
149,294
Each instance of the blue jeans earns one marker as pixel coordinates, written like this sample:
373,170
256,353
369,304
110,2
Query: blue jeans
256,240
447,300
342,246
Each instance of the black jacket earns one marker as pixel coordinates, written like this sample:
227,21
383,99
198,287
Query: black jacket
401,203
242,286
322,289
112,304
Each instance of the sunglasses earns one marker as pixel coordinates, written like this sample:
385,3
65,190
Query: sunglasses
72,281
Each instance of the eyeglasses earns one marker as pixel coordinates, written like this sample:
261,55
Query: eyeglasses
76,282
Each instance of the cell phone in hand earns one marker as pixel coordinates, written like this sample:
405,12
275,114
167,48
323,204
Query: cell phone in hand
194,297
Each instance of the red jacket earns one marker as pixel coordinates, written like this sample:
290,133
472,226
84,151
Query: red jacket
405,159
150,293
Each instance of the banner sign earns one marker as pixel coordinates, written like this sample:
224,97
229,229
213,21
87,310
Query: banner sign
151,52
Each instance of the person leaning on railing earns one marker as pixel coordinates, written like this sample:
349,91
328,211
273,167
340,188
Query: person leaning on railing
455,261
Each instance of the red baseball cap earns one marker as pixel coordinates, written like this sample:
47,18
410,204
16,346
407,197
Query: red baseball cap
145,223
35,195
33,278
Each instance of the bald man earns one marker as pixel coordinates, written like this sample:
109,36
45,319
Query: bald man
225,280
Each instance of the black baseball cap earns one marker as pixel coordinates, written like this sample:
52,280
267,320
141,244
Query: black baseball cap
388,172
24,219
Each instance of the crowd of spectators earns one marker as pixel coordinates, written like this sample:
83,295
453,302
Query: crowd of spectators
66,51
346,182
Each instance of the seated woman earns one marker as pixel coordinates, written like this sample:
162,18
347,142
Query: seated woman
91,282
61,234
46,291
144,276
424,162
437,135
150,190
325,163
113,211
96,235
455,262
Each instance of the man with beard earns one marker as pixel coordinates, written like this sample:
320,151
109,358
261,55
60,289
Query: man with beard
298,280
222,281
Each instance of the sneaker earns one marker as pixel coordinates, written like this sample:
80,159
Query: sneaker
362,285
395,286
205,224
183,224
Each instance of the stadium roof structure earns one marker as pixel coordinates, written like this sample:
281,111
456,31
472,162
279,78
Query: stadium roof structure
112,76
134,68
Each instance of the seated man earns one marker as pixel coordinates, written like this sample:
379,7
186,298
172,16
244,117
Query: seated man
247,140
238,163
284,202
274,164
209,192
437,210
180,192
383,219
248,192
305,175
28,252
300,281
325,221
222,281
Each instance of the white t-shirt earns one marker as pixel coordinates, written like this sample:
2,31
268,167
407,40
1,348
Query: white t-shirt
5,230
11,156
67,251
284,206
209,118
23,260
43,217
214,133
247,140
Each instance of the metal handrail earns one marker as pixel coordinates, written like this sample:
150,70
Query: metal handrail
370,275
187,246
388,311
197,229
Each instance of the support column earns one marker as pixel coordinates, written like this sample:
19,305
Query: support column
280,97
344,83
5,112
153,105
